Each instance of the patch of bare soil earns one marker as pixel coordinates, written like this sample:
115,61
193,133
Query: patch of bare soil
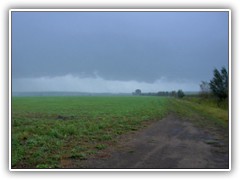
170,143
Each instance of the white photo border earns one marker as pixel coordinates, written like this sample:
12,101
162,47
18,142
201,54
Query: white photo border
121,10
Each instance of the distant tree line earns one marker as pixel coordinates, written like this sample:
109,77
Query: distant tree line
179,93
217,87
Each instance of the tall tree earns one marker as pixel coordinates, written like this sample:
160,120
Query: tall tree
219,83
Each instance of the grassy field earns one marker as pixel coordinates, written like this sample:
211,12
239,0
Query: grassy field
48,130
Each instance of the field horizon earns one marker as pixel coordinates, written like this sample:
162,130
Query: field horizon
78,93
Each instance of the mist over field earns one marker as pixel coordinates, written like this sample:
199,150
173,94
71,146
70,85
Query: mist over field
96,85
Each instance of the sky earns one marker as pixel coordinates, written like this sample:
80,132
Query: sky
116,52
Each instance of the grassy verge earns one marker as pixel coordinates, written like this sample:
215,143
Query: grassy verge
202,112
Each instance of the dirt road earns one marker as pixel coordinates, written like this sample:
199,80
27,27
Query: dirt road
170,143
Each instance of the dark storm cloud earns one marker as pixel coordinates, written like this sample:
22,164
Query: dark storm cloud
123,46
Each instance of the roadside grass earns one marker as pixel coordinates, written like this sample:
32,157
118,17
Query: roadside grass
209,102
202,112
46,130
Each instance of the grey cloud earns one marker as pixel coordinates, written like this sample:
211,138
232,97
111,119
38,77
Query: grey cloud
123,46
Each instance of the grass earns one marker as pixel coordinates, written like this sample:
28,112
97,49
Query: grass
48,130
205,113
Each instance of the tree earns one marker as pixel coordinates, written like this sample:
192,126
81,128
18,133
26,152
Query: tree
180,94
137,92
219,83
205,89
174,93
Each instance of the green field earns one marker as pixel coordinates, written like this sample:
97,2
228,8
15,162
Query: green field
48,130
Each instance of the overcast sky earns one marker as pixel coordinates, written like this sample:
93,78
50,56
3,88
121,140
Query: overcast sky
117,51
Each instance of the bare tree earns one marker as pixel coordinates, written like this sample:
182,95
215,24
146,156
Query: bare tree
205,89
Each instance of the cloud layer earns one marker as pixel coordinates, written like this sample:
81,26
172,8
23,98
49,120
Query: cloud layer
120,46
